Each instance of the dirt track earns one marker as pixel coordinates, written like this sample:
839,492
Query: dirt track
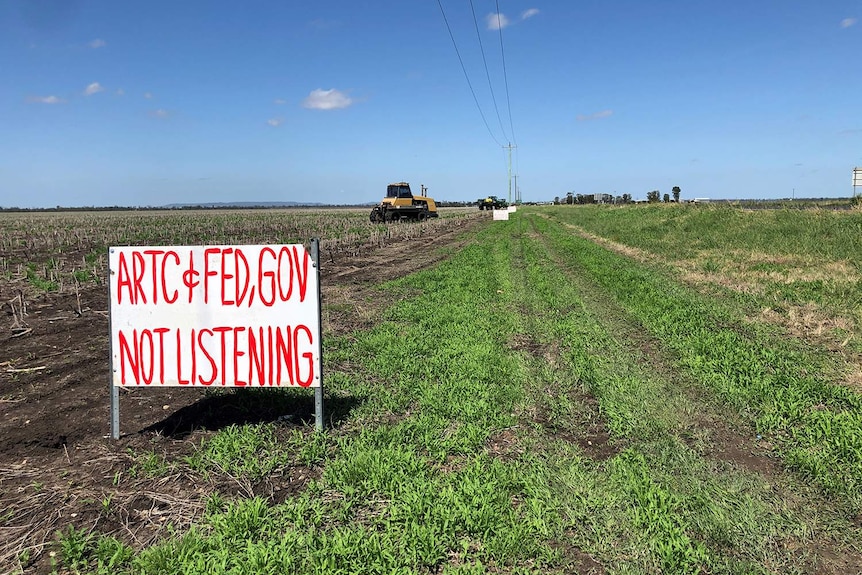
57,465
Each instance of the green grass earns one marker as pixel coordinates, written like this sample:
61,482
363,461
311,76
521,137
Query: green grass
251,452
675,231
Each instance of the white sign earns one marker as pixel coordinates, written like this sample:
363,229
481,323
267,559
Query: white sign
857,177
501,215
231,316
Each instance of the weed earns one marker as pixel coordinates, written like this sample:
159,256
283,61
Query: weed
111,554
106,504
75,545
149,464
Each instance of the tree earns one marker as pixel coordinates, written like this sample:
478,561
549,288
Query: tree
570,198
653,196
627,198
556,200
676,192
666,198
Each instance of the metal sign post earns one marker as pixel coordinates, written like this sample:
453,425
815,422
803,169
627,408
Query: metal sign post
318,391
114,390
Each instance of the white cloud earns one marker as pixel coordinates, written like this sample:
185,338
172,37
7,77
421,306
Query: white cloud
93,88
594,116
326,100
847,22
160,113
148,95
45,100
496,21
120,92
97,43
275,122
529,13
279,101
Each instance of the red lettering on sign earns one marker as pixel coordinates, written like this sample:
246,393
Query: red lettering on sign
153,254
130,354
302,272
209,358
222,331
176,257
208,273
124,279
225,276
141,355
147,375
268,297
283,353
237,353
285,252
180,379
138,273
161,331
258,350
240,295
237,356
308,356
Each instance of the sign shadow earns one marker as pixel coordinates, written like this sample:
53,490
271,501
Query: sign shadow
243,406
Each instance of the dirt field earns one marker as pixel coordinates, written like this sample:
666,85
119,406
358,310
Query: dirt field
57,464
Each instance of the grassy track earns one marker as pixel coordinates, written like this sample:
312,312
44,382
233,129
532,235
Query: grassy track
539,404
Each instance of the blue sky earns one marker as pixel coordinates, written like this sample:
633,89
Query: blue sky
133,103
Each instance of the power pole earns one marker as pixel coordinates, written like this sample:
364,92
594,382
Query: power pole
517,191
509,147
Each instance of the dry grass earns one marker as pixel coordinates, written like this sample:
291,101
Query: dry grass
37,503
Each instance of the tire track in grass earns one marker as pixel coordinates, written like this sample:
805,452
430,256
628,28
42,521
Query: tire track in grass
820,538
630,536
712,430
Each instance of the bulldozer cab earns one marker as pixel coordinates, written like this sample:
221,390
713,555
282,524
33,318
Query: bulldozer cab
399,190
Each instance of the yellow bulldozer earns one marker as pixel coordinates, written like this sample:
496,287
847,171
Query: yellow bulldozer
401,204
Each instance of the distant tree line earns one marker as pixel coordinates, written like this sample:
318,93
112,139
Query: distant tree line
652,197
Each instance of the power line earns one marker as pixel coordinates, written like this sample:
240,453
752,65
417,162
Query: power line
487,73
513,143
505,76
466,76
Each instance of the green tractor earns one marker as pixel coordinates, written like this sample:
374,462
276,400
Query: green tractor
492,203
